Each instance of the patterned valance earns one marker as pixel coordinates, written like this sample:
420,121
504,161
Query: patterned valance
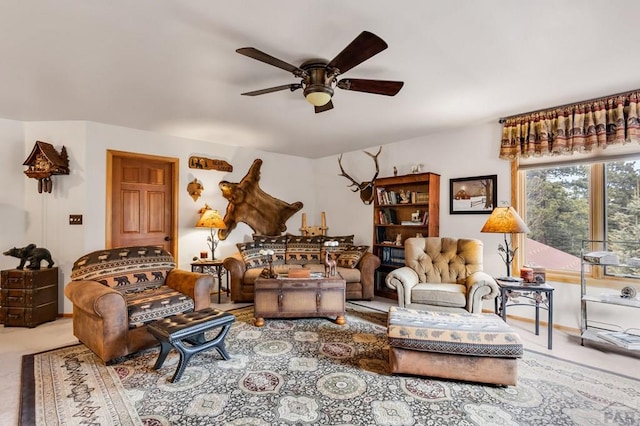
572,128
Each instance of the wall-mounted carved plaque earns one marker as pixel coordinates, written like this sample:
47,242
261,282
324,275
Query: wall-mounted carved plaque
209,164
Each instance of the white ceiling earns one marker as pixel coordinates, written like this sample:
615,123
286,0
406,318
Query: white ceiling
171,67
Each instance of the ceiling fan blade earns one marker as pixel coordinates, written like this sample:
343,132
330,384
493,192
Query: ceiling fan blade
378,87
325,107
291,87
359,50
254,53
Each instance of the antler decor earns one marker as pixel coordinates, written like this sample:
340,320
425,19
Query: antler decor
366,187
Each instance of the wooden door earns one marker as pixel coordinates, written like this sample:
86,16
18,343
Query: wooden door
142,201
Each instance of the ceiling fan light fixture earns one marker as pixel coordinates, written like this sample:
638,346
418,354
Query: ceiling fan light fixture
318,95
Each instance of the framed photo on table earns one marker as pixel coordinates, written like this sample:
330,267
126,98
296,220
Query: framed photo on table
473,195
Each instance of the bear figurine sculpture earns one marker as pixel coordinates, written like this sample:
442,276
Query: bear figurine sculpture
34,255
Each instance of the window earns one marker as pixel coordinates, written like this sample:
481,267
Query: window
568,203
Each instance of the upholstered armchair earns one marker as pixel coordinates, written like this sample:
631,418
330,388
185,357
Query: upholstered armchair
117,292
442,274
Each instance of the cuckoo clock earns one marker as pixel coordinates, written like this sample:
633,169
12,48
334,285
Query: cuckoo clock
43,162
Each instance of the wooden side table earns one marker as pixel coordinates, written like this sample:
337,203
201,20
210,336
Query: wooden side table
215,268
539,295
28,297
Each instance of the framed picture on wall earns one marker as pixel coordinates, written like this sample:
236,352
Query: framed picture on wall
473,195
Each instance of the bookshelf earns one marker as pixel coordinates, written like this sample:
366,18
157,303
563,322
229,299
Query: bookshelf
404,206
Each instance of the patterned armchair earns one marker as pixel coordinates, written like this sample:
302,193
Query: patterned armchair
442,274
116,292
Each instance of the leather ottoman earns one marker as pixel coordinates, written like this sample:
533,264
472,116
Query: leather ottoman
461,346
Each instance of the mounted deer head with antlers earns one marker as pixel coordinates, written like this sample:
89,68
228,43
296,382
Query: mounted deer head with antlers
365,188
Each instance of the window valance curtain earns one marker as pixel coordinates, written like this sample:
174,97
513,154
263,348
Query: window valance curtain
572,128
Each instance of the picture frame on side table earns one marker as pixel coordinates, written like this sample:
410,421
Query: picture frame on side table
473,195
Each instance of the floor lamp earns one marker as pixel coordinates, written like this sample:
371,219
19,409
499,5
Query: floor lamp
505,220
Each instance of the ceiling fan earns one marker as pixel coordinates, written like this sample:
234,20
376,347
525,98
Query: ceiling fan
319,77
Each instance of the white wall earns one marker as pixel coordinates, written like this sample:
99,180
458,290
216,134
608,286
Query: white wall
28,216
13,215
466,152
84,190
472,151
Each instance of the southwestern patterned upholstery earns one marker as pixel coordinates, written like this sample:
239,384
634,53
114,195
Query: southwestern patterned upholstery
351,255
116,292
452,333
277,243
295,251
462,346
443,274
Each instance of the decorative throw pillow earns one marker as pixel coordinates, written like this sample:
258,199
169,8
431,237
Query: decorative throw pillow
351,255
303,250
251,255
277,243
343,241
127,269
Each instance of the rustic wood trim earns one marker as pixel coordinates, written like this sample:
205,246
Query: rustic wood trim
517,201
175,177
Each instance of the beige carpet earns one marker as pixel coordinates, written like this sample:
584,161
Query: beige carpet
313,372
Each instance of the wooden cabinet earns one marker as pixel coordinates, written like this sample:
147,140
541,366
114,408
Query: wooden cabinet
299,297
28,297
404,206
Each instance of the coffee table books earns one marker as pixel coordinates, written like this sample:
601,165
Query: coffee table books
621,338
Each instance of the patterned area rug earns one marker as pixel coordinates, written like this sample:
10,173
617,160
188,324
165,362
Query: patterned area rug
311,371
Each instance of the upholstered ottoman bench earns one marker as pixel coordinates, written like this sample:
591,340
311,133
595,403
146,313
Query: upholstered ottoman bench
470,347
185,333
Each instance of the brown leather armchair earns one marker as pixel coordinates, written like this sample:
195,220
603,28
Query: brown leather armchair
443,274
116,292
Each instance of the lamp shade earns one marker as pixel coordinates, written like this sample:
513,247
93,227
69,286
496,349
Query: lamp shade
505,220
210,219
318,94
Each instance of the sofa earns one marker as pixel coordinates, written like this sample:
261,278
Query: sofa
443,274
354,263
117,292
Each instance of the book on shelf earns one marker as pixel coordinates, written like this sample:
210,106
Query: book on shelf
392,256
620,338
422,197
601,258
382,197
390,197
390,216
411,223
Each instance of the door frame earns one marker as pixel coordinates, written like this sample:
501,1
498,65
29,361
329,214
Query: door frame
175,167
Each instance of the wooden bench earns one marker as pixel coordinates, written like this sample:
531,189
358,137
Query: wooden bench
185,333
